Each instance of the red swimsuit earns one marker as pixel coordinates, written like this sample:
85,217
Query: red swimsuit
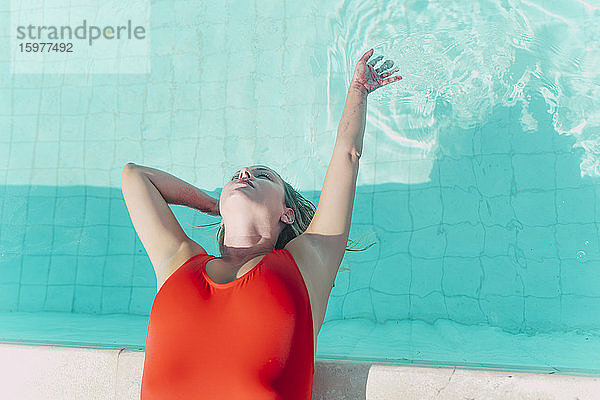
248,339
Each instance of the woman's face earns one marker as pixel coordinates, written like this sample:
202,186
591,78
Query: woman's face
263,189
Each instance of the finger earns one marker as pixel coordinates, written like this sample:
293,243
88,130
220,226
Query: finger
375,61
367,55
386,74
390,80
386,65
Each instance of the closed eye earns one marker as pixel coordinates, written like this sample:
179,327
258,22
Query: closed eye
259,174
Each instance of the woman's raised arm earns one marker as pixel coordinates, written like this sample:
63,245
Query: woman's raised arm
366,79
147,193
330,225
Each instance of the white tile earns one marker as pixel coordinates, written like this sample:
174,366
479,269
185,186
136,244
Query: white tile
129,374
57,373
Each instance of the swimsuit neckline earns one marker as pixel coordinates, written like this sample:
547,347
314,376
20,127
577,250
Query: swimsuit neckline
236,280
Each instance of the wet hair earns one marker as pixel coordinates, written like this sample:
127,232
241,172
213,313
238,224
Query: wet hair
304,211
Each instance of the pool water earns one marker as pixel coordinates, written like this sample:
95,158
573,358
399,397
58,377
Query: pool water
478,177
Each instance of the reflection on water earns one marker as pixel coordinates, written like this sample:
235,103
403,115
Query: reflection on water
460,60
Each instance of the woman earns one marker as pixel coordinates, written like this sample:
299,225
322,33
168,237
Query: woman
244,325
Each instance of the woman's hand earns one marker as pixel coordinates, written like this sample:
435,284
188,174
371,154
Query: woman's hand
366,78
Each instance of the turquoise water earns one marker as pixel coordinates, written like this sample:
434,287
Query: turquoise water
478,177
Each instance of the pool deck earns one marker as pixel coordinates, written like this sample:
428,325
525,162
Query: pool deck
64,372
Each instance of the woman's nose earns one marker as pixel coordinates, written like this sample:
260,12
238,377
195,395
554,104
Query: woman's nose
244,173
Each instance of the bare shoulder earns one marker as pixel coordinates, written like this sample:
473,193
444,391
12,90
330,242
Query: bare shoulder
318,276
187,250
307,254
302,250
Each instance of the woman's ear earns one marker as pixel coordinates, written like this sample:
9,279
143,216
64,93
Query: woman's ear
288,217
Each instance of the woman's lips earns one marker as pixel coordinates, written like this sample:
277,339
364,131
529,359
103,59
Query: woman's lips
246,182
